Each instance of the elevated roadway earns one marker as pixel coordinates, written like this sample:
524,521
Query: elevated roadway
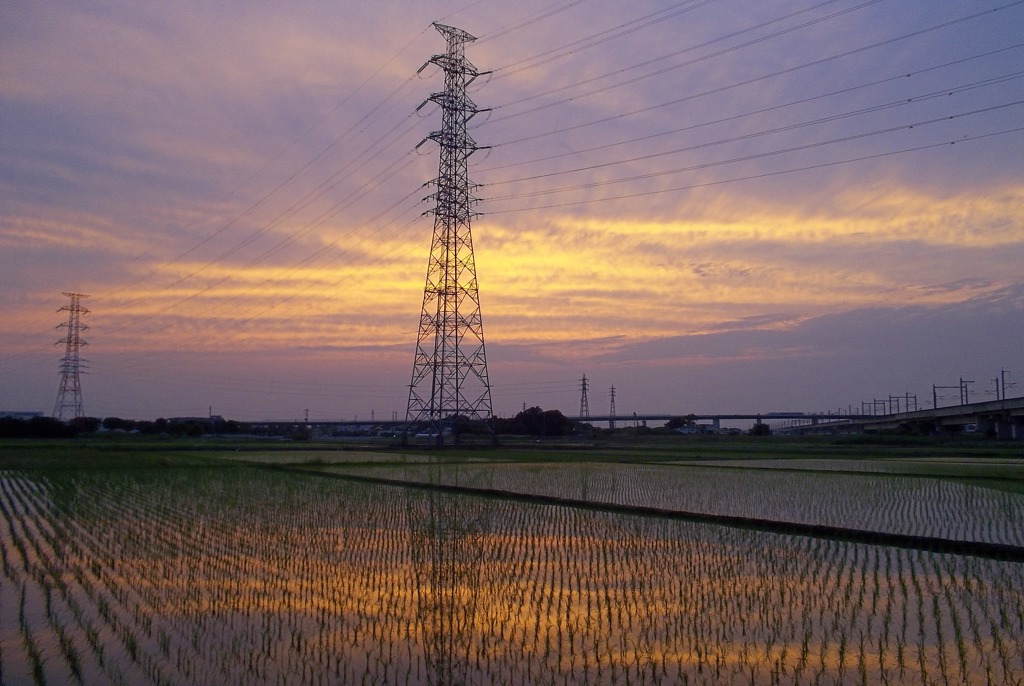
999,418
764,417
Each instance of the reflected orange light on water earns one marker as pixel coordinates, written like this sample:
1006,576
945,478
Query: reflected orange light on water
302,579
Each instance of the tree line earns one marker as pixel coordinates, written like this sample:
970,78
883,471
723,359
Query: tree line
48,427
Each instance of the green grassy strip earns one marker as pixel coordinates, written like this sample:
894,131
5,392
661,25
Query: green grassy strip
122,450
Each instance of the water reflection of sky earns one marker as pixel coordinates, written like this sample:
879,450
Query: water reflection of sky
269,577
910,505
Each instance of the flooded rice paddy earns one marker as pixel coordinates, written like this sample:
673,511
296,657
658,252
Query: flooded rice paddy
256,576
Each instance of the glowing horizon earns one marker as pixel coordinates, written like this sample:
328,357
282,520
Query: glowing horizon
242,200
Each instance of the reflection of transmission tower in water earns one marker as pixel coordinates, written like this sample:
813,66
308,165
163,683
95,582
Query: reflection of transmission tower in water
447,535
449,375
611,409
69,397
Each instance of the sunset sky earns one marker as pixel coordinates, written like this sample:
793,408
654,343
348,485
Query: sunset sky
713,205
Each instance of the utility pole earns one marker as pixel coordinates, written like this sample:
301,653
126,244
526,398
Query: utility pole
611,410
69,395
584,404
450,382
965,393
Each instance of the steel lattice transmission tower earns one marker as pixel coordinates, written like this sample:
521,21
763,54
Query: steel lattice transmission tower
69,397
584,403
449,375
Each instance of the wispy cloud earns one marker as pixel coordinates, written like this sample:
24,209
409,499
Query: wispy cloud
236,177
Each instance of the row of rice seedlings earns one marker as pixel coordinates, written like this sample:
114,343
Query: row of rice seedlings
895,504
105,607
609,601
41,588
340,583
115,601
209,560
840,619
861,601
65,630
296,597
118,602
121,598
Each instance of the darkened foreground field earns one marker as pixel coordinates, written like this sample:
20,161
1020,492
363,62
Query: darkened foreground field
179,563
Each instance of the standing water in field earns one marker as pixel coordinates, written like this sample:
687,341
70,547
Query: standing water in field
180,576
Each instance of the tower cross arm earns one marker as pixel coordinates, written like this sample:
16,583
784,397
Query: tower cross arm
453,34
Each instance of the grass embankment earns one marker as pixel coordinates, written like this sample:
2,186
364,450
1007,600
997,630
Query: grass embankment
103,454
921,456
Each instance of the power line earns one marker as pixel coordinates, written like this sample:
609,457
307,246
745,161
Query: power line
296,174
239,246
601,37
743,158
529,20
763,110
750,177
675,54
901,102
747,82
275,300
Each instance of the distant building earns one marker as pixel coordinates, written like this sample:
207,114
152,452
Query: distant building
699,429
20,415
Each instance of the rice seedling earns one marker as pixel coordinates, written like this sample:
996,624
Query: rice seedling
250,576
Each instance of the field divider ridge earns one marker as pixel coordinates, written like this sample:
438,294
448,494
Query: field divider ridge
983,549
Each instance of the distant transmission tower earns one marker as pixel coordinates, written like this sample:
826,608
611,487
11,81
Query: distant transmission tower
449,375
611,409
69,397
584,404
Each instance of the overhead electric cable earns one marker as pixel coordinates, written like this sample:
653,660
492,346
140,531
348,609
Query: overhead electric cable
606,35
324,249
763,110
777,172
266,227
672,68
530,19
902,102
288,212
285,150
344,283
755,156
756,79
209,287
